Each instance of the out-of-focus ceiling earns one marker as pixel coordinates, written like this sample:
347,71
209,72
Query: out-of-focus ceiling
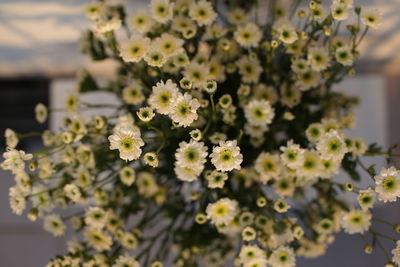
40,36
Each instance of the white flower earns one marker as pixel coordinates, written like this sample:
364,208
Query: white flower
366,198
356,221
259,112
141,21
248,35
282,257
332,146
126,261
286,32
151,159
146,184
96,217
249,69
163,97
237,16
292,155
359,147
127,176
339,11
250,253
197,73
311,167
98,239
318,58
388,184
307,80
184,110
161,10
187,174
371,17
145,114
135,49
133,94
108,26
396,254
344,56
14,160
54,224
11,138
168,44
203,13
315,131
226,156
41,113
72,192
222,211
17,200
155,58
216,179
93,11
268,166
192,154
347,3
128,142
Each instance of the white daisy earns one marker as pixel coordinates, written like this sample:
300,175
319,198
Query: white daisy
366,198
126,261
318,58
249,253
133,94
249,68
192,154
292,155
286,32
356,221
371,17
14,160
168,44
259,112
339,11
188,174
17,200
41,113
135,49
388,184
163,97
344,56
216,179
54,224
268,166
98,239
282,257
161,10
128,142
248,35
184,110
332,146
226,156
141,21
222,211
11,138
203,13
96,217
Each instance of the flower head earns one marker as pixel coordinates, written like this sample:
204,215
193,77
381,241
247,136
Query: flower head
128,142
226,156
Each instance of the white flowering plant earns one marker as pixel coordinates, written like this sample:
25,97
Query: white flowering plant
224,145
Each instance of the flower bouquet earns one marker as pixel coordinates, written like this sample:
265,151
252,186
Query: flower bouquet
223,146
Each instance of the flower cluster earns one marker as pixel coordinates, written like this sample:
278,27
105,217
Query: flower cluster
226,138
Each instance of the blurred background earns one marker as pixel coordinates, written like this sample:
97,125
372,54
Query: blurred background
39,59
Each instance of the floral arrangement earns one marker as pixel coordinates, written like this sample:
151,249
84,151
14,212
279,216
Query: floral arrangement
223,147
